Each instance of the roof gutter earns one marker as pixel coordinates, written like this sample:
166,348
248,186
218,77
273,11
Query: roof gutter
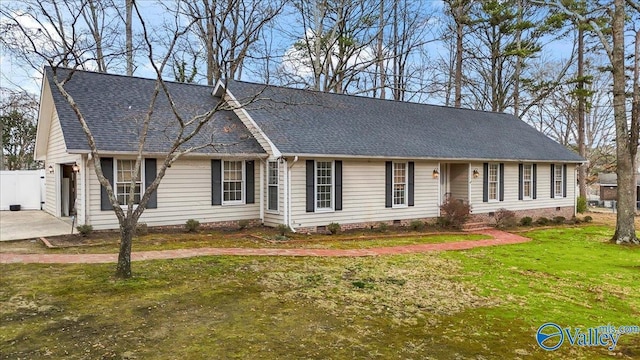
161,154
461,160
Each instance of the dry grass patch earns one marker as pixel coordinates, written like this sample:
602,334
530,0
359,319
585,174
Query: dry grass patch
407,288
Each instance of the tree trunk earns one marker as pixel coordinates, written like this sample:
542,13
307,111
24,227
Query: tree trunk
318,15
129,36
459,50
625,228
212,70
123,269
381,67
495,53
582,149
518,66
635,112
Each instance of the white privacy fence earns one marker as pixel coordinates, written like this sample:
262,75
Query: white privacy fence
23,187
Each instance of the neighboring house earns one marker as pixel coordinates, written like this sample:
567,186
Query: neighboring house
609,186
296,157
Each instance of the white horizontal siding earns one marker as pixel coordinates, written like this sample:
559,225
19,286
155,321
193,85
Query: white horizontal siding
274,218
511,201
364,195
184,193
57,154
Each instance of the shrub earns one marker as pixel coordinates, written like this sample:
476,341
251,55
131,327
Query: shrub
581,204
84,230
142,229
526,221
543,221
455,213
588,219
192,225
559,220
417,225
383,227
243,224
505,219
283,229
442,222
334,228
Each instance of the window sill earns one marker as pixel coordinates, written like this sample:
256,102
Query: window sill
126,207
399,206
273,212
324,211
233,203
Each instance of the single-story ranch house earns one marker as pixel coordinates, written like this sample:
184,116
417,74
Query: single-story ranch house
295,157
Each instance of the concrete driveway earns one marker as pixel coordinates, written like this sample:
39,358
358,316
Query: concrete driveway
16,225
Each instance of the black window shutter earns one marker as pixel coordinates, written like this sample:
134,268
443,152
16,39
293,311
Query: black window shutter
388,184
534,180
310,186
106,163
338,166
485,182
564,180
216,182
501,181
150,172
520,181
553,171
249,168
410,195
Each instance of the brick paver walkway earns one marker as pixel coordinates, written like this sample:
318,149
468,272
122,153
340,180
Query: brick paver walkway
499,238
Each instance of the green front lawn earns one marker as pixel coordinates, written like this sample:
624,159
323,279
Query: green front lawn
481,303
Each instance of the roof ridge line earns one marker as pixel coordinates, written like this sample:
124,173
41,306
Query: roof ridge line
367,97
129,76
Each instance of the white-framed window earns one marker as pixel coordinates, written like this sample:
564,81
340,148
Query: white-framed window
324,185
233,182
494,176
558,181
527,181
124,170
399,184
272,183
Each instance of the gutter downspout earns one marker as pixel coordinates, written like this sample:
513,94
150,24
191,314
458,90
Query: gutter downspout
288,202
85,196
261,192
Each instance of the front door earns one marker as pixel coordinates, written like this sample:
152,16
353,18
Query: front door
68,190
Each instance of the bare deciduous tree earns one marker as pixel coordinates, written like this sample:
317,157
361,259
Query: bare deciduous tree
227,30
627,130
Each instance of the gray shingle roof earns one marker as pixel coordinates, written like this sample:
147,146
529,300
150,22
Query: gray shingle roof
114,107
308,122
612,179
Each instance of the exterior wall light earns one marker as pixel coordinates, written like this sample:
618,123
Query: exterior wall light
50,169
476,173
75,167
436,173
